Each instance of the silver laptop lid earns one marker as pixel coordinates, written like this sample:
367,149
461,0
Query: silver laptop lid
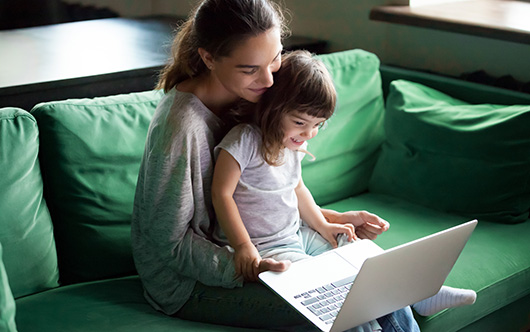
402,276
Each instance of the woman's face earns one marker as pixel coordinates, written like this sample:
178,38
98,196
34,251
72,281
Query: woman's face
247,72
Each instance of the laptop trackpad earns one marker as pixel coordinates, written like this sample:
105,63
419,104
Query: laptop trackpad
357,252
328,267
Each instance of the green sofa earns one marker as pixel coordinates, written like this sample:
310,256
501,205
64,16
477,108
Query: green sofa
423,151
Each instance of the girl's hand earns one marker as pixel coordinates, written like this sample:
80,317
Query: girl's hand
247,261
330,232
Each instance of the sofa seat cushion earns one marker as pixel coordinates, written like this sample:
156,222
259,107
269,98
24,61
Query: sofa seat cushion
90,154
26,230
111,305
472,160
495,262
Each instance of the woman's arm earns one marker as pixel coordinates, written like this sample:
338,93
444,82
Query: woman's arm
311,213
226,176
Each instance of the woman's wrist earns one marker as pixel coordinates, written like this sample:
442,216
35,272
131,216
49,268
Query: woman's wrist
331,216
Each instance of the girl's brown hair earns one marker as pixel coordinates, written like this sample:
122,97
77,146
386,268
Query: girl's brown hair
218,26
303,84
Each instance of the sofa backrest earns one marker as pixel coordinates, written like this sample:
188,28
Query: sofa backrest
26,231
473,93
7,302
347,147
91,149
90,154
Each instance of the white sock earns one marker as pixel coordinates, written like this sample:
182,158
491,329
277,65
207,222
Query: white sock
447,297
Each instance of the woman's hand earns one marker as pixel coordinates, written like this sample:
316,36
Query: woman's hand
367,225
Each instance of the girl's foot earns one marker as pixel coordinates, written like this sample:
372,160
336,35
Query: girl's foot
447,297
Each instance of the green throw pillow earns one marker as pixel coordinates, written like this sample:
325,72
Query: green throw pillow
471,160
26,229
347,148
90,155
7,303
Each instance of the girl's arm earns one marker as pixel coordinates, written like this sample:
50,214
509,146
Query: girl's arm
311,214
225,178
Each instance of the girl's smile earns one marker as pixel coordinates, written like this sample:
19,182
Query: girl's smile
297,142
299,127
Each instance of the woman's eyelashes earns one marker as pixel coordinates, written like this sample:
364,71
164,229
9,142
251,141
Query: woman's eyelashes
250,72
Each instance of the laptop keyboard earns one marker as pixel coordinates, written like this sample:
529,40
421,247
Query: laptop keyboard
326,301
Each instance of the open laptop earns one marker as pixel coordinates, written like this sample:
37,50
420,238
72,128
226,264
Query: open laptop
359,282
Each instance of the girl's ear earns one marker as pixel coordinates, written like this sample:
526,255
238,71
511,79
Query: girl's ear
206,57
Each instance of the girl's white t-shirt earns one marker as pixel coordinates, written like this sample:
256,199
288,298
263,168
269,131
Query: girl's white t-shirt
265,194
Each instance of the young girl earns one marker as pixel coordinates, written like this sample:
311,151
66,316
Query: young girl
258,193
262,205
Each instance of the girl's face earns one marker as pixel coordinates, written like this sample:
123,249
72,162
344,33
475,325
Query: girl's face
247,72
299,127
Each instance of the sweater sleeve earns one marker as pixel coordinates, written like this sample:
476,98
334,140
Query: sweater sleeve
184,201
173,214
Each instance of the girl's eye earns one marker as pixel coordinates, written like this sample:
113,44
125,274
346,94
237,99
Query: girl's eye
298,123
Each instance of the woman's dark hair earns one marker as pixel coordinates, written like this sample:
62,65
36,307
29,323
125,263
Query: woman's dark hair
218,26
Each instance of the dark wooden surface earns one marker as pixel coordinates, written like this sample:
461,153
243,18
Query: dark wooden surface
81,59
507,20
91,58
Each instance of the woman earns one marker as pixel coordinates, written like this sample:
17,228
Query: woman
225,52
